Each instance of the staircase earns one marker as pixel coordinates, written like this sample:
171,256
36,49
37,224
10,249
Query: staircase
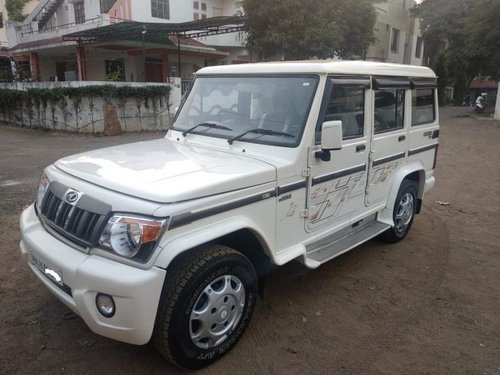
43,12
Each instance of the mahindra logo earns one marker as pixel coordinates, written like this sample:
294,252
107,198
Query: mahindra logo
72,196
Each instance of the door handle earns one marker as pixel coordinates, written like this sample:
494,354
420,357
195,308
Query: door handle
360,148
401,138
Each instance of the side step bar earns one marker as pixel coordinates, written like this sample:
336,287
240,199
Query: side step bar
334,246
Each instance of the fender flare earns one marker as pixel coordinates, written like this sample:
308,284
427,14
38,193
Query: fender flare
385,215
187,240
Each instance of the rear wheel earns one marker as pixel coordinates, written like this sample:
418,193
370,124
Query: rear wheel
206,305
404,212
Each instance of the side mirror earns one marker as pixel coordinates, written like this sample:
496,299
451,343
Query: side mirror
331,139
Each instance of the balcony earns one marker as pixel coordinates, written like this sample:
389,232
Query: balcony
25,34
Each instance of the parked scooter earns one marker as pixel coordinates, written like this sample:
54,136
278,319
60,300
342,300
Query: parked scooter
480,105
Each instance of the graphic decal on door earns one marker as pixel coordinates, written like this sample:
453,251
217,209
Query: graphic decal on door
382,173
328,198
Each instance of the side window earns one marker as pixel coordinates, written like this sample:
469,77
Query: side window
347,104
389,110
423,109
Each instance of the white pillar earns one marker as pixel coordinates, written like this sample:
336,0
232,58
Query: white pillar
496,116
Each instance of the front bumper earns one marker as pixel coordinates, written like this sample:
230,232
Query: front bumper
136,292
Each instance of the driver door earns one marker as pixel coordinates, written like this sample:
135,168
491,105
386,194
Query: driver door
336,188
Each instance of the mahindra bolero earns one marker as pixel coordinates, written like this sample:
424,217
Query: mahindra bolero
169,240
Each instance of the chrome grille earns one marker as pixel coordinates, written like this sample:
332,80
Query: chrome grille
79,225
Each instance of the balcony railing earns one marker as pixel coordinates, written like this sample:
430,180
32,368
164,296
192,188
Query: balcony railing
26,33
26,30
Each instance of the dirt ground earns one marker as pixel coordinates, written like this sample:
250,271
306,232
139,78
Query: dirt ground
427,305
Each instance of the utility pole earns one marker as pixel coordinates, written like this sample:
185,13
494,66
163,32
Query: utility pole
179,53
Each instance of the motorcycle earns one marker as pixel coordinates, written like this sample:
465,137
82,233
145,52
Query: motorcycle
480,105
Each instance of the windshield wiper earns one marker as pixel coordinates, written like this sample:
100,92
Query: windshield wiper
259,131
210,125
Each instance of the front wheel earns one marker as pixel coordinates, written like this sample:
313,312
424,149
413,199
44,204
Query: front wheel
404,212
206,305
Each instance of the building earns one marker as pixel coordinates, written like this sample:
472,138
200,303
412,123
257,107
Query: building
480,85
5,64
66,40
399,39
41,40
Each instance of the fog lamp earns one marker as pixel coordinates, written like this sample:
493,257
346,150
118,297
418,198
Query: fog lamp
105,304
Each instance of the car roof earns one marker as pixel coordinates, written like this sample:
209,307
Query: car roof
322,67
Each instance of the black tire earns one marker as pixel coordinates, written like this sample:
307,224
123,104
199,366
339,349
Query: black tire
191,283
404,212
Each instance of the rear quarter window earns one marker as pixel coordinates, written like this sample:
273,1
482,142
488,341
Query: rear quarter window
423,109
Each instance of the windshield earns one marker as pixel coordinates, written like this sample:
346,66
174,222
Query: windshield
268,109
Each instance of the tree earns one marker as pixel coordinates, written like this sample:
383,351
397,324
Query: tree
484,36
467,33
15,9
441,70
297,29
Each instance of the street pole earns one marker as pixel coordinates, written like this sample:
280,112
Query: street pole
179,54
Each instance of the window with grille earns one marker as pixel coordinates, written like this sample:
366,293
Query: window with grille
418,48
395,40
1,20
115,69
160,9
79,12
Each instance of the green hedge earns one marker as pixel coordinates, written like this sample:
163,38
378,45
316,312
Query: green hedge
13,99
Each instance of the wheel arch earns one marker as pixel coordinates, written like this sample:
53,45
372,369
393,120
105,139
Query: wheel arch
414,171
237,233
419,178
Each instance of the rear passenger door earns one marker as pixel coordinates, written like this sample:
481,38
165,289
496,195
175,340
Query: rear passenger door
424,131
389,139
337,187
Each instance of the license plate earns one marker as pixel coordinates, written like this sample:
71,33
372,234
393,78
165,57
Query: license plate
52,273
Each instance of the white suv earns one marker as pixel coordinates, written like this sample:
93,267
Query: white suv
170,240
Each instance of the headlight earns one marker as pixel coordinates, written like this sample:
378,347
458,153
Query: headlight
43,185
127,235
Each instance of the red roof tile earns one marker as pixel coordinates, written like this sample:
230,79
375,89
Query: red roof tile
483,84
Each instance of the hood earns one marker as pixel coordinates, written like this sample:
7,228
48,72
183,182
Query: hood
166,172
